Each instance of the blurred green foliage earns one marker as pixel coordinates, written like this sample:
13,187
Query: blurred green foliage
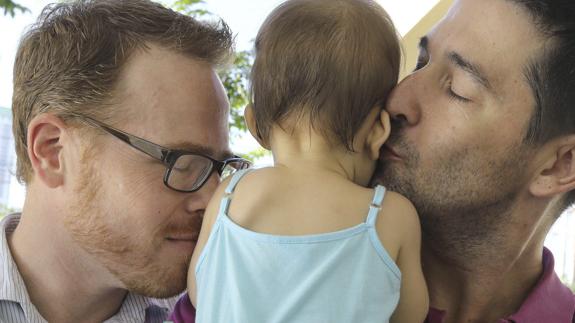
234,77
190,7
235,80
10,7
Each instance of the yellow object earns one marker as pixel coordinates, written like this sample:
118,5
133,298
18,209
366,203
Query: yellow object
411,39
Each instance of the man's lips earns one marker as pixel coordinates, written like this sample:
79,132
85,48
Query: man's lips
185,243
183,238
389,153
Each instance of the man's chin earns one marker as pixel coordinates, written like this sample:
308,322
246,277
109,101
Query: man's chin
384,174
393,181
159,283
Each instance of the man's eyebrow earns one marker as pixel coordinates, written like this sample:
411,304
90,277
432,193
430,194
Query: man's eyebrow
423,43
201,149
470,68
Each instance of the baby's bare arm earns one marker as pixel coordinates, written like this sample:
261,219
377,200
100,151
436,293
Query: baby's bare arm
401,218
210,217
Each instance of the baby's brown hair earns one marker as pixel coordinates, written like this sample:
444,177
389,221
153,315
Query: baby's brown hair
330,61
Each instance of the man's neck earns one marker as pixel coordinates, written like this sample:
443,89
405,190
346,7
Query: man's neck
484,286
64,283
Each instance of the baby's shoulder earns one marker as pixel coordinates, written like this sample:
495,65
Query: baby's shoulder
397,224
397,204
398,215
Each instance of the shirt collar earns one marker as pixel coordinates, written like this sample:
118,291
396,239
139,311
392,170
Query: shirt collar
12,287
549,301
11,282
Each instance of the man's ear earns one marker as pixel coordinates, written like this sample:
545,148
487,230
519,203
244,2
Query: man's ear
378,134
557,173
45,149
252,127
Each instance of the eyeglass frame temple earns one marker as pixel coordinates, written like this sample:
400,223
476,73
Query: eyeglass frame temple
162,154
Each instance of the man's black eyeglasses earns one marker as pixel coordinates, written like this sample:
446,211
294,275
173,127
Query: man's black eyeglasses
186,171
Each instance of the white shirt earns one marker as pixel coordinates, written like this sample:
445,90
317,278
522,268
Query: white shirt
16,307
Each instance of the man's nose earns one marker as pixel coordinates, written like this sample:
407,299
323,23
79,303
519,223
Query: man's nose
198,200
403,104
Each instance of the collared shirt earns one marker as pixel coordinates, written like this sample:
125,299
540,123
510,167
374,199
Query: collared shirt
549,301
16,307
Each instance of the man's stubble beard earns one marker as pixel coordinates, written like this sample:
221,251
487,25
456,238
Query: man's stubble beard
464,202
91,226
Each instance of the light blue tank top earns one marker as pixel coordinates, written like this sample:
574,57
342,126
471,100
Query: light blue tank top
249,277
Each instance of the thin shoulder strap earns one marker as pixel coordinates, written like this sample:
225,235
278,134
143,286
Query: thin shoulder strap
375,206
227,198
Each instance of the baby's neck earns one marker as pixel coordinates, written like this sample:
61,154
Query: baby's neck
312,154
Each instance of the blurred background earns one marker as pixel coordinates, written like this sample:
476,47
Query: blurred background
413,18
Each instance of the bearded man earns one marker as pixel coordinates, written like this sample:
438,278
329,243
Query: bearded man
483,144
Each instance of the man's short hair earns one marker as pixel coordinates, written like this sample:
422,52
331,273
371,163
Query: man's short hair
70,61
328,61
552,74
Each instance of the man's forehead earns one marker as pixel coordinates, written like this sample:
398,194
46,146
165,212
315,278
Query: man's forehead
498,35
175,101
500,24
163,78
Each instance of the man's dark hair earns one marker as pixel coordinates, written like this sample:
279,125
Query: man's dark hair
70,61
552,74
327,61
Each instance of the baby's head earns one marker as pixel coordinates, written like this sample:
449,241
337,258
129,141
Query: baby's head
325,64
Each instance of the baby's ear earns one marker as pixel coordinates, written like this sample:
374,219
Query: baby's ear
252,126
378,134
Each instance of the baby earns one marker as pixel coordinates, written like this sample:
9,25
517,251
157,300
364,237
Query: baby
306,240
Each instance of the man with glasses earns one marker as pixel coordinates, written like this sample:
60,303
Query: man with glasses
186,171
121,135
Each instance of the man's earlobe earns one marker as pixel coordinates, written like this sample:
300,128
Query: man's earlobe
252,126
379,134
45,149
558,173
